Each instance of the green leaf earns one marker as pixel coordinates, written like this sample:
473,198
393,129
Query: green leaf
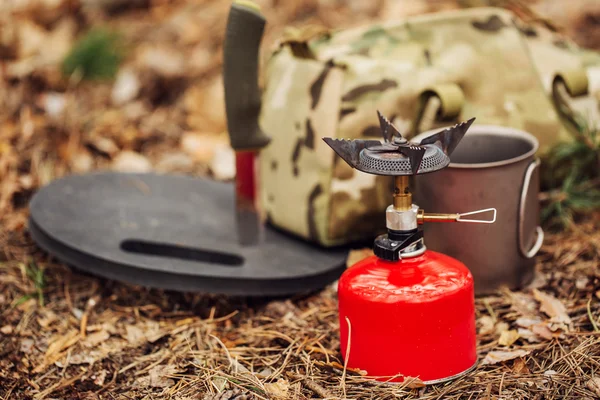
21,300
36,274
97,55
565,151
549,211
570,174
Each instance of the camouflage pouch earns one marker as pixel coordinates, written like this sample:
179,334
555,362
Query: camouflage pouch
424,72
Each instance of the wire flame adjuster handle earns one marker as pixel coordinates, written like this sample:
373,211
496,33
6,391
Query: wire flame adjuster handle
423,217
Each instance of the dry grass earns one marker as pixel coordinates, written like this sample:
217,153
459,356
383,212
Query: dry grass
94,338
65,335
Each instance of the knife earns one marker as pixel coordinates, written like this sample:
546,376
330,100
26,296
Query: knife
245,27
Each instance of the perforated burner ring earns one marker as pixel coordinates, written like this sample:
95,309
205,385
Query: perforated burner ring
398,164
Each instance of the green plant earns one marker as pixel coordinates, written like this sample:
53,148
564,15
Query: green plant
36,275
571,177
97,55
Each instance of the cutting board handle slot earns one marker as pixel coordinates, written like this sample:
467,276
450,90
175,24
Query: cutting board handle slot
181,252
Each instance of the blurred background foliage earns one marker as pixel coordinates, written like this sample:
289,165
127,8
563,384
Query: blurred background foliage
571,177
135,85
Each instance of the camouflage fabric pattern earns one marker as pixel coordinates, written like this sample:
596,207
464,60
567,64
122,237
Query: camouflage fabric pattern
553,54
332,84
300,105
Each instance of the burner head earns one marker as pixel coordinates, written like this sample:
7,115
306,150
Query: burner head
395,163
396,156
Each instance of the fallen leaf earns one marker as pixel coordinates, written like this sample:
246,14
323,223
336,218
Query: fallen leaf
109,327
57,348
486,325
494,357
355,256
594,385
129,161
158,376
89,396
53,103
148,331
126,87
77,312
507,338
206,106
226,394
279,389
522,303
47,319
104,145
412,383
202,146
6,329
163,60
31,38
5,148
59,42
222,164
78,359
174,162
82,161
528,335
265,372
553,307
135,110
99,379
26,181
542,331
520,366
527,322
62,342
26,345
27,122
219,382
201,58
581,282
538,281
501,327
95,338
237,367
21,68
557,328
277,309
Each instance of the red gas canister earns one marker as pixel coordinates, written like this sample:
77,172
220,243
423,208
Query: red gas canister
407,311
414,317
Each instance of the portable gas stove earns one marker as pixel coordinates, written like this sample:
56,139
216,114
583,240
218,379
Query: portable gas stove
407,311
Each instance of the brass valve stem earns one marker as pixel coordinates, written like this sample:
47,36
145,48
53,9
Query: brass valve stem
433,217
402,195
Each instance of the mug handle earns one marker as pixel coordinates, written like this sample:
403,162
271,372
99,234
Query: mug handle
540,233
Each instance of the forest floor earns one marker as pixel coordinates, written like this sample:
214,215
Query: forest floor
67,335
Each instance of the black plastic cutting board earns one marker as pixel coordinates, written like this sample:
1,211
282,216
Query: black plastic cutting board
172,232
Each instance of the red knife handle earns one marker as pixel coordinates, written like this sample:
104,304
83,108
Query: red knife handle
246,176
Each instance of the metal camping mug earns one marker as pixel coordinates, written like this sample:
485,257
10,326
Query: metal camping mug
492,166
